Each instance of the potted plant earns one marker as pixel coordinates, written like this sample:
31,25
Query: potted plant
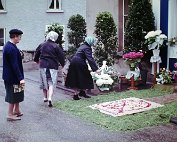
107,78
106,34
164,77
133,59
172,41
175,72
155,40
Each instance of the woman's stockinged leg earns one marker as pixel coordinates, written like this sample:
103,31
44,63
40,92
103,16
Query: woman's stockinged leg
45,95
76,96
11,109
52,85
17,111
11,116
17,108
51,90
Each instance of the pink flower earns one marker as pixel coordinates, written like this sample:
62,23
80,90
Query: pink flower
133,55
175,65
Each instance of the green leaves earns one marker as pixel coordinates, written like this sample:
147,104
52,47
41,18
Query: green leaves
58,29
140,22
77,33
106,33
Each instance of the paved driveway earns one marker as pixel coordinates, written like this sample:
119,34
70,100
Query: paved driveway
43,124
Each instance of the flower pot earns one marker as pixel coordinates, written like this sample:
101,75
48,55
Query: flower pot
175,78
143,74
132,87
156,52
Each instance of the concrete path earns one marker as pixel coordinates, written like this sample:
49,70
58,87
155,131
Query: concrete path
43,124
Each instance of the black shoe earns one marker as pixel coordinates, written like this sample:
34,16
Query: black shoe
173,120
45,100
76,97
50,104
83,94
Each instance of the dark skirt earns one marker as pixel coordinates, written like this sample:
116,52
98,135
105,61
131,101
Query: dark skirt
78,76
12,97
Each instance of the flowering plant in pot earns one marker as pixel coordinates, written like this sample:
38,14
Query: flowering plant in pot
155,40
175,72
107,78
133,58
172,41
164,77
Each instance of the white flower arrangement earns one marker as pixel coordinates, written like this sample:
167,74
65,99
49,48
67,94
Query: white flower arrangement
136,74
105,80
172,41
164,77
155,39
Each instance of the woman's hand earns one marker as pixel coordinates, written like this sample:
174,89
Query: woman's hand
22,81
98,71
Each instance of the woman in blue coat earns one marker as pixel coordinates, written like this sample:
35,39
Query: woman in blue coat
13,75
79,77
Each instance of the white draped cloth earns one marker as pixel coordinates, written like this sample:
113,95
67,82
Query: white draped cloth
136,74
153,60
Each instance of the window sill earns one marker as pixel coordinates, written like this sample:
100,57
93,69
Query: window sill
3,11
54,11
1,48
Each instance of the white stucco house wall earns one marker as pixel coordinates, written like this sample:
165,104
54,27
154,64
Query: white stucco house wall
33,16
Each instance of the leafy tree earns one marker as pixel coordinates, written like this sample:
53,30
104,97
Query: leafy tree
140,22
106,33
77,33
58,29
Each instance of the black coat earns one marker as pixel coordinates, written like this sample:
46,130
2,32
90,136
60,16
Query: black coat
78,74
50,55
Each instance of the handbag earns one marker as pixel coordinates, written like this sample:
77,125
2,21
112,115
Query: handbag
18,88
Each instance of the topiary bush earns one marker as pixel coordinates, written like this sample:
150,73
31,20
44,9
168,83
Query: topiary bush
106,33
58,29
140,22
77,33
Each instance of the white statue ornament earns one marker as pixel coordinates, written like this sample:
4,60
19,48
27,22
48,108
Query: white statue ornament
103,80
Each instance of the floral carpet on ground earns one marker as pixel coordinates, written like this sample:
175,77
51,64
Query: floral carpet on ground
125,106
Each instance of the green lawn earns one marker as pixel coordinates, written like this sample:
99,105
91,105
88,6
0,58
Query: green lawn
124,123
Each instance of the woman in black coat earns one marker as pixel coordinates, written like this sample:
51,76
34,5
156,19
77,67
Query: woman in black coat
50,56
79,77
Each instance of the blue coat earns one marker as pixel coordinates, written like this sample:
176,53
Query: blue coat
12,64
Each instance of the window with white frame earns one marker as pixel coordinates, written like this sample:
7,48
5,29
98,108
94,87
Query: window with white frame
63,35
54,6
125,13
2,6
2,38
